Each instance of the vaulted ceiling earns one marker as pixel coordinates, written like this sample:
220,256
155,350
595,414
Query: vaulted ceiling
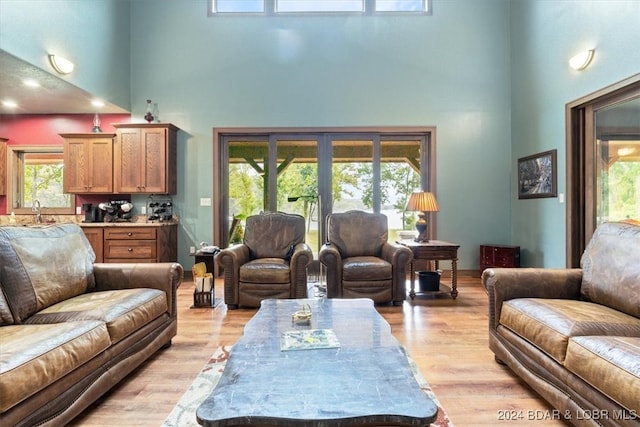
53,95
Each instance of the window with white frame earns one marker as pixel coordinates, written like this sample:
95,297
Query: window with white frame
275,7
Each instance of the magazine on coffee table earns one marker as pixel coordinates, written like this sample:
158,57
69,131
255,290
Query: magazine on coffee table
308,339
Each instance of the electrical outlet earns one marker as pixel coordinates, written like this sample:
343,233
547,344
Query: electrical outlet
192,250
143,210
78,210
205,201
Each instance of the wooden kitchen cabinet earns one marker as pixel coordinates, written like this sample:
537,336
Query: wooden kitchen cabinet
130,243
95,236
140,244
504,256
145,158
88,163
3,166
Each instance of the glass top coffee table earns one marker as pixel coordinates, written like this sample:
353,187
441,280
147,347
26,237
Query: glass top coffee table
363,379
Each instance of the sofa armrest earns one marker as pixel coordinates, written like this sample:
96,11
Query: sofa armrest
302,257
230,259
165,276
398,256
233,257
330,257
503,284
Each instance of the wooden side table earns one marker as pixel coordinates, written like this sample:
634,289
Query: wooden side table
434,250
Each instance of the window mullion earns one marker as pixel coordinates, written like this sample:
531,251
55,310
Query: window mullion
369,7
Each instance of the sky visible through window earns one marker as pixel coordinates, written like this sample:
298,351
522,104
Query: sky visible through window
319,5
311,6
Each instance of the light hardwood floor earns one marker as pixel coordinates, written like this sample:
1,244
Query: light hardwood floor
447,338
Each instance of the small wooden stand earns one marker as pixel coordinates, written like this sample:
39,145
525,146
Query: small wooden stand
204,299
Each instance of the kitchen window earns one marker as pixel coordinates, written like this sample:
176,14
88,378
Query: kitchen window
35,179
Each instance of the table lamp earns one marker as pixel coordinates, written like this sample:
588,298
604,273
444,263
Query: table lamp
423,202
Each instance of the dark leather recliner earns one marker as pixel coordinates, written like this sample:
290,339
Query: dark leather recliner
359,261
271,262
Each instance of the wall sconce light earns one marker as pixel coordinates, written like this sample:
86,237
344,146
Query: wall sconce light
582,60
60,64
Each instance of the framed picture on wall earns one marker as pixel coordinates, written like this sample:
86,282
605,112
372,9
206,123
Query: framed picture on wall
537,175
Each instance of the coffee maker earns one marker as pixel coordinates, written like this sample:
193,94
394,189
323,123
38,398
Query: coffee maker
116,210
92,213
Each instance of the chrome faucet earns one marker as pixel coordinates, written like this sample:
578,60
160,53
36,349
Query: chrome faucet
35,207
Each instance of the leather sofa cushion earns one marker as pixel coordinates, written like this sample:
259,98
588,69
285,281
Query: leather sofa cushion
41,266
124,311
34,356
273,234
6,318
549,323
266,270
252,294
610,364
366,267
357,233
611,267
379,292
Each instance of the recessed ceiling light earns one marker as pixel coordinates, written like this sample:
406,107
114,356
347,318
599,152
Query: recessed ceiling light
97,103
31,83
8,103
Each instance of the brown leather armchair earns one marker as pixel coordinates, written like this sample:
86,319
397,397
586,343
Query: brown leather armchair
271,262
359,261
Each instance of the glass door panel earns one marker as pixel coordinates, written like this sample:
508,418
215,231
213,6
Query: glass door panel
399,177
618,162
317,173
297,184
248,168
352,175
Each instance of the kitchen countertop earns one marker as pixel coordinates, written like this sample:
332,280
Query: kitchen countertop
127,224
138,221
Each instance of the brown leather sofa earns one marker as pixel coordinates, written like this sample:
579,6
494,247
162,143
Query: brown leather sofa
271,262
574,334
359,261
71,329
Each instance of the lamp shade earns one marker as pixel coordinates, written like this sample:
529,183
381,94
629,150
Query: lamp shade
422,201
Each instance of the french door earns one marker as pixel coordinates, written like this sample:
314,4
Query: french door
603,162
317,172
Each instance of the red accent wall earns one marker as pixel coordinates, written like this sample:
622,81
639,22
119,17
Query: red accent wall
44,129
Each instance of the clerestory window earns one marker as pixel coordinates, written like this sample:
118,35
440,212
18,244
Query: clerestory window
283,7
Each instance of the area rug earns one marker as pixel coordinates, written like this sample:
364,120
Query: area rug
184,413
